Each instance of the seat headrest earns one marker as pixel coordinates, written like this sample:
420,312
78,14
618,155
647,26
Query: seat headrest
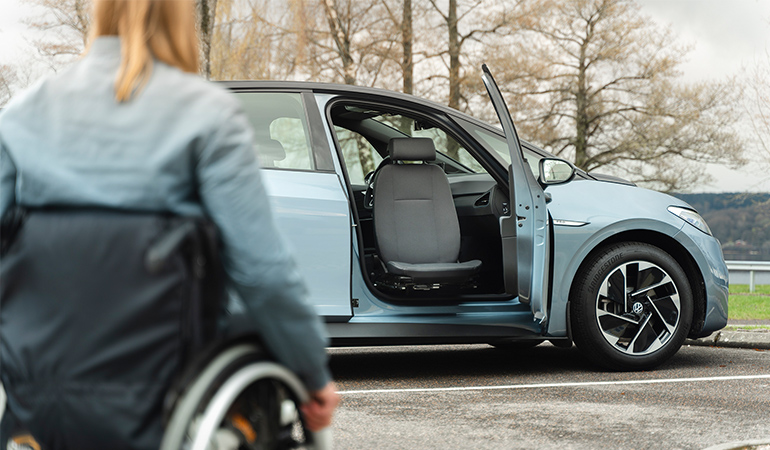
411,149
270,151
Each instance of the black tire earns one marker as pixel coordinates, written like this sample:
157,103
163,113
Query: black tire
631,307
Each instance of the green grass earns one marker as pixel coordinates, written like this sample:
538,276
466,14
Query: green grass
749,306
747,327
744,289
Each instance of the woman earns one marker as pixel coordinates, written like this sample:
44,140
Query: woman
131,126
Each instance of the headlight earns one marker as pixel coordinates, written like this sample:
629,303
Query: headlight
690,217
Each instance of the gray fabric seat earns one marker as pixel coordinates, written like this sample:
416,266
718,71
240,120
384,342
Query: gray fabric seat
415,222
270,152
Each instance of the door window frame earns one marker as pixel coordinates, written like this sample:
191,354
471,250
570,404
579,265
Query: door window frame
320,156
440,119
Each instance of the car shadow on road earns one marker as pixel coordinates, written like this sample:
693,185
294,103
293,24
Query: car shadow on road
453,362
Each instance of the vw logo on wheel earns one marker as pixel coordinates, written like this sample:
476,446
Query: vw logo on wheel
638,308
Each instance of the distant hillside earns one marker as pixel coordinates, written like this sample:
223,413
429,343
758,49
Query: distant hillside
741,222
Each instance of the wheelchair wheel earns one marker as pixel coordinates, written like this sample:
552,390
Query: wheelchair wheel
241,401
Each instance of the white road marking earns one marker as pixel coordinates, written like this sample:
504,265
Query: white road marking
555,385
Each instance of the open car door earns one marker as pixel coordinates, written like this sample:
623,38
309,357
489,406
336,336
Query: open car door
524,233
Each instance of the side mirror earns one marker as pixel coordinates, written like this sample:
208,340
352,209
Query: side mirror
555,171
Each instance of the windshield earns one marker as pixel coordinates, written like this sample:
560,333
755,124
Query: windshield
496,144
363,132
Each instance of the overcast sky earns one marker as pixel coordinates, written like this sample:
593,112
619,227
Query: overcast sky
726,34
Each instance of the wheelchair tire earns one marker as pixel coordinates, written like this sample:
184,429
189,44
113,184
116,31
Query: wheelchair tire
232,375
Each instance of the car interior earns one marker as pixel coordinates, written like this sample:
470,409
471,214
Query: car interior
427,211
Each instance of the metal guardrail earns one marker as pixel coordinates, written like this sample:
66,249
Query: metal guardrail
752,267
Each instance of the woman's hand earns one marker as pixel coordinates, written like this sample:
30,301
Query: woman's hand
318,411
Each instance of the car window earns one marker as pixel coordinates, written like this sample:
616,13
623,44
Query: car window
363,134
446,145
281,136
500,146
359,155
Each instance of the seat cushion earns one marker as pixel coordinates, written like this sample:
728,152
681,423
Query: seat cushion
435,272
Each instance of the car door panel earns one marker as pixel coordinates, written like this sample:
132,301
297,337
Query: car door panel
313,214
525,230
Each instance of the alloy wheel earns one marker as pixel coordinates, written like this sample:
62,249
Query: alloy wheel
638,308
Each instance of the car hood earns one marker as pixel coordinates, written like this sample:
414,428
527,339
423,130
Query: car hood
600,202
609,178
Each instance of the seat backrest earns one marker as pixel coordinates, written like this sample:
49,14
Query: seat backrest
270,151
415,220
98,312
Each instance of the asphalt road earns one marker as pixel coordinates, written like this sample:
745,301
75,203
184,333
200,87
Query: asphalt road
478,397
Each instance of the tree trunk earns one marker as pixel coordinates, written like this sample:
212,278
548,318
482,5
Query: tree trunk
406,39
454,56
454,67
207,10
342,41
83,11
581,112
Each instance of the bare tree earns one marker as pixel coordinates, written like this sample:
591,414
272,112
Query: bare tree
249,41
407,36
478,18
348,41
591,80
466,22
402,24
596,81
340,27
64,27
7,81
757,103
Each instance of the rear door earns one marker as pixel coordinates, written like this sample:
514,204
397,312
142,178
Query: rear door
308,200
525,232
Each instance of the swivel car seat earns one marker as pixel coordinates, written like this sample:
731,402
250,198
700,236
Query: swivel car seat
415,221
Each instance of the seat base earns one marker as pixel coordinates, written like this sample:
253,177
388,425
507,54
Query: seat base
435,273
410,289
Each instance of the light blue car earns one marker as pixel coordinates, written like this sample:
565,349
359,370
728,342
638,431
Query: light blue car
414,223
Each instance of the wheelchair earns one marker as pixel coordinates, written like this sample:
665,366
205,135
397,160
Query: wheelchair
240,400
109,339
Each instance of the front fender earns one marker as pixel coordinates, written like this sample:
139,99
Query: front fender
587,214
574,244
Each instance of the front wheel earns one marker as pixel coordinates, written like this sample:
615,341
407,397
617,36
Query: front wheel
631,307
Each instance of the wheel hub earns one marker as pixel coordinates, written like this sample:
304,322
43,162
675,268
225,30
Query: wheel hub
638,308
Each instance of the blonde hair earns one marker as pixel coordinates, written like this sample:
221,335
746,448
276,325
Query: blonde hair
163,29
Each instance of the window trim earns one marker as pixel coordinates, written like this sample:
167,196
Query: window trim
322,154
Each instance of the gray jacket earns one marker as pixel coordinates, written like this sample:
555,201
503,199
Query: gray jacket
181,145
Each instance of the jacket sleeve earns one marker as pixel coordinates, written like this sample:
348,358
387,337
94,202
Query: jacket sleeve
7,180
256,259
